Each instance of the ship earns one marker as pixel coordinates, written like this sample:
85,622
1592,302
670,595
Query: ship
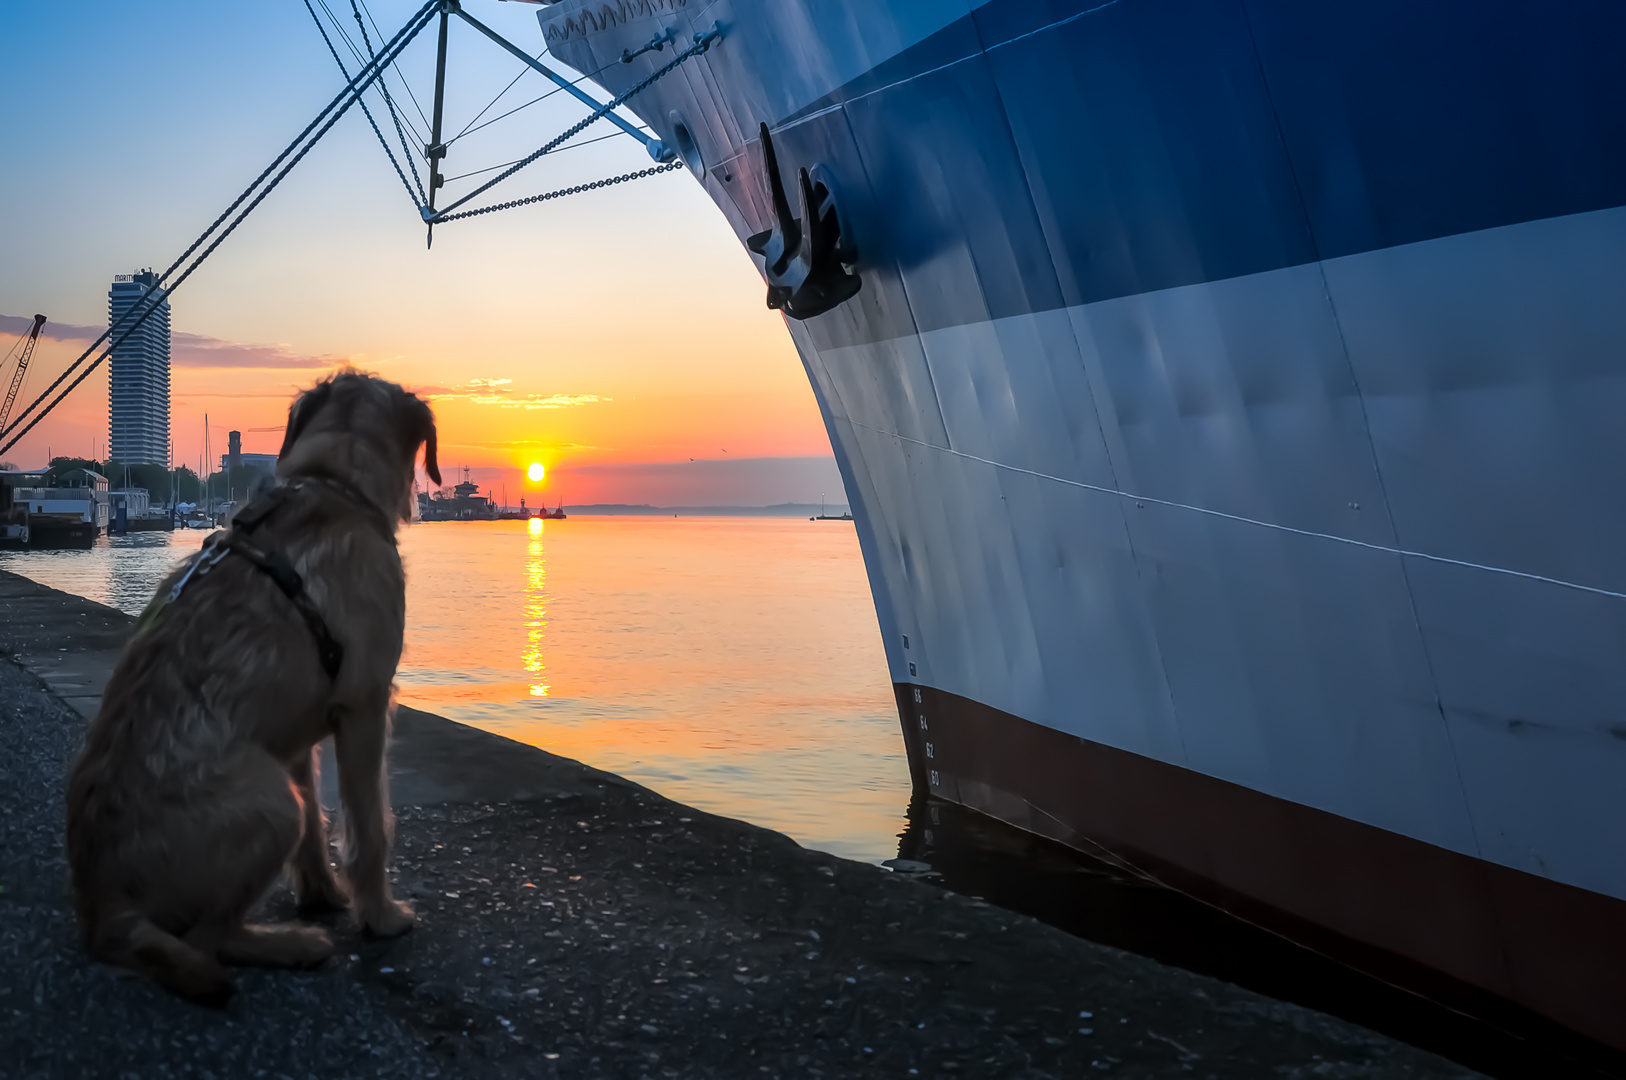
53,507
1228,394
465,503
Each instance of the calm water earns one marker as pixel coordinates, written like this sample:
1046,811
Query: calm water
730,663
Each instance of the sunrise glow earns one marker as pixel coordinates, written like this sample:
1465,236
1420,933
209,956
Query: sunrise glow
536,472
609,382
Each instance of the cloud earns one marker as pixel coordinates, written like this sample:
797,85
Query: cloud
188,350
535,401
19,325
496,392
198,351
704,482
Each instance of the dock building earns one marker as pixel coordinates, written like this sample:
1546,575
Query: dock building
138,375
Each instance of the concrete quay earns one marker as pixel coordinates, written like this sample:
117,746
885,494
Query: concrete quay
574,924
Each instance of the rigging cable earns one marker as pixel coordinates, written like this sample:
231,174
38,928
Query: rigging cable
329,116
702,42
350,44
492,103
527,105
470,129
404,84
416,202
561,150
12,352
389,103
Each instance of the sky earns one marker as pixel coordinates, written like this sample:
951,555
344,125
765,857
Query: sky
619,337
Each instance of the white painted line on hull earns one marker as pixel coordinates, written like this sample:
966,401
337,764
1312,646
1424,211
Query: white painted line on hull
1247,520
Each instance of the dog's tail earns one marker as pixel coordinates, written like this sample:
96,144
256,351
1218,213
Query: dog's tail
142,946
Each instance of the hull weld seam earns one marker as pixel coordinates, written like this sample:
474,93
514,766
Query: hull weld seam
1251,521
960,60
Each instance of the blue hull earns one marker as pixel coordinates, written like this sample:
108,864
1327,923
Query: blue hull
1230,412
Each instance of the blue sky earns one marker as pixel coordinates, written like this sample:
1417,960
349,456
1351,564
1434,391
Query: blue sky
128,127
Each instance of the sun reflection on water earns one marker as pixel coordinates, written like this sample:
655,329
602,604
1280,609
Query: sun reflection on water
731,663
536,606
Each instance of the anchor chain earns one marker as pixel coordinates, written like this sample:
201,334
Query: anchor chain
389,102
365,110
577,190
702,42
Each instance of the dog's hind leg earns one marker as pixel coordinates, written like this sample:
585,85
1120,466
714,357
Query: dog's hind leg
216,855
296,946
315,883
268,817
131,941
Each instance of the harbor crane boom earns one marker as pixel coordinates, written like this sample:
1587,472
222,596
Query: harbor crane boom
22,370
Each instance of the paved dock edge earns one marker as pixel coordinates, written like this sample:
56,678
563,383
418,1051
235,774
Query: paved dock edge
572,923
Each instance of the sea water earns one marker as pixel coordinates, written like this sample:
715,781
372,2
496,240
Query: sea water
733,664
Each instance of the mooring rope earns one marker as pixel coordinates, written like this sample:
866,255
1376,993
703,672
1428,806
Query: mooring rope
370,72
160,291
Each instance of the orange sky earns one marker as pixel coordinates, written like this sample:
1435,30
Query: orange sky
621,326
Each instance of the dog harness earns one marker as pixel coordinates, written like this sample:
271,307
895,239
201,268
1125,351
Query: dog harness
274,564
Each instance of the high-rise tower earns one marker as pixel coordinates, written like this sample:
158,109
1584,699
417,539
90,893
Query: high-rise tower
138,375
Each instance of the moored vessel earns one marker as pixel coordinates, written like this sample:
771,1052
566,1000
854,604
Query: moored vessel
1228,405
53,508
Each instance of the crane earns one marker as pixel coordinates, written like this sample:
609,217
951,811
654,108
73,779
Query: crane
22,369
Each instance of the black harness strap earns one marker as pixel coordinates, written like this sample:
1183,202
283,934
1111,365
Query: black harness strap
275,565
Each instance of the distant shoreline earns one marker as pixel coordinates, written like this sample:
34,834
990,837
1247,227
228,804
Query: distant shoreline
645,510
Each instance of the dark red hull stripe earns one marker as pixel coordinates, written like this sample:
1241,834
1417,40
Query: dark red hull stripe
1501,944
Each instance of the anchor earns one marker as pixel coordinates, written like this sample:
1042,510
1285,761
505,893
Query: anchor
803,263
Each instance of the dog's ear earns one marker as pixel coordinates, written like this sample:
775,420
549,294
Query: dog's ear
303,411
430,465
419,426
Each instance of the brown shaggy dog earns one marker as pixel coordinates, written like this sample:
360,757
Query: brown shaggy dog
197,783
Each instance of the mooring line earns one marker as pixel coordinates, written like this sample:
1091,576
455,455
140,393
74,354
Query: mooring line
161,291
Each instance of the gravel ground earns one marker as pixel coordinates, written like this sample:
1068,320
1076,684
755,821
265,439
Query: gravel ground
608,932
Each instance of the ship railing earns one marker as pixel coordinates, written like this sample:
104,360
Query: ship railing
47,494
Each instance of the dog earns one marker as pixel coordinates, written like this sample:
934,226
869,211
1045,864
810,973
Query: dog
196,786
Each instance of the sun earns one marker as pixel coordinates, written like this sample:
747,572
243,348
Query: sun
536,472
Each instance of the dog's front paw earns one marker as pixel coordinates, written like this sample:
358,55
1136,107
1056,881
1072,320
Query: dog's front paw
386,918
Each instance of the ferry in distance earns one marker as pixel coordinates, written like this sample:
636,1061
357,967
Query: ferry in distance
1228,395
